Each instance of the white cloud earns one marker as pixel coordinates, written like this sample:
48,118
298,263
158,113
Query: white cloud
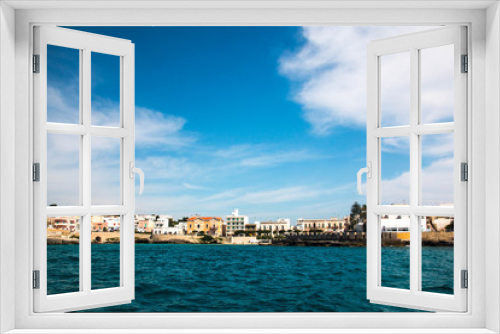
278,158
154,129
261,155
437,185
330,71
169,168
192,186
62,105
289,194
249,196
238,151
438,145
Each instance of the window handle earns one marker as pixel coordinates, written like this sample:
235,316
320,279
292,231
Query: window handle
139,171
368,171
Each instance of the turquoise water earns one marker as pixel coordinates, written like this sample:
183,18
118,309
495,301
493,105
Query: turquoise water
232,278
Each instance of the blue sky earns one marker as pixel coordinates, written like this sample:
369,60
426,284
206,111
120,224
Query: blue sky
270,120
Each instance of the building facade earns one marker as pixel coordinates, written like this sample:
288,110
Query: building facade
236,222
98,224
397,223
321,224
163,227
252,228
70,224
148,222
213,226
145,225
112,223
282,224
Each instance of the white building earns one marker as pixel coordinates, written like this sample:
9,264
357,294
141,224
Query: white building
183,227
282,224
162,227
113,223
396,223
321,224
236,222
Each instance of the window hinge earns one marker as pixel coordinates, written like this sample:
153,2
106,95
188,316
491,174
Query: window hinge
36,63
36,279
464,171
36,172
465,279
465,64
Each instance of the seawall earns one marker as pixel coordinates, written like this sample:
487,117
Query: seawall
356,239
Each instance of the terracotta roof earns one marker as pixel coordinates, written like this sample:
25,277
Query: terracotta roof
205,218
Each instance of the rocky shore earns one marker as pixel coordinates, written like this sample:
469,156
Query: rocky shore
343,239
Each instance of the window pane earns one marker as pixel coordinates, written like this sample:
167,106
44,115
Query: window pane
437,169
395,257
63,255
395,89
63,85
436,80
106,174
105,251
63,170
437,254
395,171
105,90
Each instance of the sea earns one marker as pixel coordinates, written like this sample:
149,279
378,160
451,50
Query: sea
248,278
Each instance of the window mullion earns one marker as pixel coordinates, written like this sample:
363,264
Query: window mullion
415,249
85,229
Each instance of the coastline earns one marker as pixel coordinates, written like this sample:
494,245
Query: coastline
344,239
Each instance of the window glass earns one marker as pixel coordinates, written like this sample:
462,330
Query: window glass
395,89
105,251
436,84
63,85
395,248
437,169
63,254
63,170
395,171
437,254
105,89
106,171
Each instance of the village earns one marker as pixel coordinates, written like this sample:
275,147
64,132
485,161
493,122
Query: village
236,228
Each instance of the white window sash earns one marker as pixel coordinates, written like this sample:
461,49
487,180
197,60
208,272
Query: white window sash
414,297
87,43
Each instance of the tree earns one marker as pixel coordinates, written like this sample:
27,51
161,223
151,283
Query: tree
207,239
363,216
355,215
239,233
363,213
450,227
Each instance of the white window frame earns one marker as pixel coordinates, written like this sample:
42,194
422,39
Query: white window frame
412,44
482,19
86,44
